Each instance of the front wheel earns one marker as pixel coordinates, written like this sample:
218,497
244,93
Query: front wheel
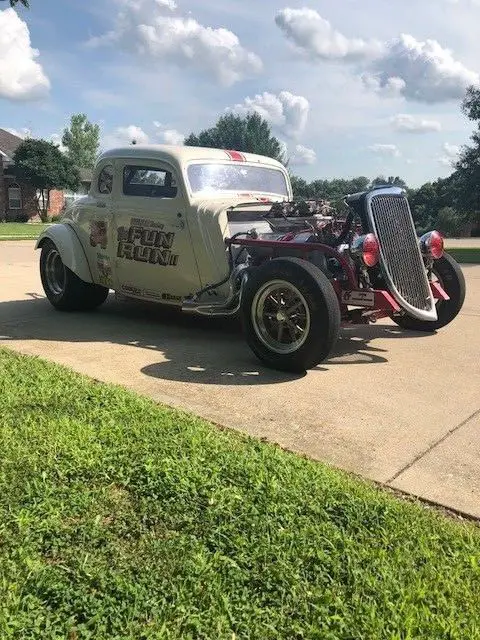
64,289
290,313
450,276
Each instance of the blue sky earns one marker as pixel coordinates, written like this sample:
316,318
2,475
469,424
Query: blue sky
352,87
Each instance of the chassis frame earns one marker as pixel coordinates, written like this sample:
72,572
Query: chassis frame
377,304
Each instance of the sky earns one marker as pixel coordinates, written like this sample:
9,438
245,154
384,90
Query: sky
352,87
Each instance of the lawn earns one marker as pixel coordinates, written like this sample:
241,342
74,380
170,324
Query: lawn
465,255
120,518
20,230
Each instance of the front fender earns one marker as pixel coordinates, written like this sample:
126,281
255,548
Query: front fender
70,249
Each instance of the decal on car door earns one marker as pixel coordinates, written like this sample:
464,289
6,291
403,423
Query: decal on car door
147,241
98,233
104,267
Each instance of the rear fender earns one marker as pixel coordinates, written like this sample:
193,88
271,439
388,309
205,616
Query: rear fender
70,249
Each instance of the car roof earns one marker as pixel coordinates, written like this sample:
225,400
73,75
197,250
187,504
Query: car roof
183,154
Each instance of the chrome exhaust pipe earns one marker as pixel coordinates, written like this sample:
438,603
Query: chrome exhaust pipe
202,309
228,307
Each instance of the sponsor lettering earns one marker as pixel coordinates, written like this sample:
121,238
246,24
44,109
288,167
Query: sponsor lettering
143,222
129,289
146,244
359,298
169,296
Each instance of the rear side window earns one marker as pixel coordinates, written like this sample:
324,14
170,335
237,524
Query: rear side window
148,182
105,180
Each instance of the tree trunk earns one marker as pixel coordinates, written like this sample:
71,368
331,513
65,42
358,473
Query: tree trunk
43,202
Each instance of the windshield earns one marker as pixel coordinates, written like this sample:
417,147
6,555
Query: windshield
235,177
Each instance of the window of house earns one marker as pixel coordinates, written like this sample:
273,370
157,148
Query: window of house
14,198
148,182
105,180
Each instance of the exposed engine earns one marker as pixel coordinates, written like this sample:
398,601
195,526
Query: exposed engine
293,222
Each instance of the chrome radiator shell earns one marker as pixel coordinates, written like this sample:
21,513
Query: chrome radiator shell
401,260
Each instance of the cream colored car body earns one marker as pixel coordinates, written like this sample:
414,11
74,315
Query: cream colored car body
156,248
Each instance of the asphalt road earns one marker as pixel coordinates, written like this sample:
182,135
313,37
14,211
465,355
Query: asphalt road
400,408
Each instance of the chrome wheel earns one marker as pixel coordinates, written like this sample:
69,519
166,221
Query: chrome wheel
281,317
55,272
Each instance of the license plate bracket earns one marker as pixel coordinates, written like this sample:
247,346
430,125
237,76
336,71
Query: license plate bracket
359,298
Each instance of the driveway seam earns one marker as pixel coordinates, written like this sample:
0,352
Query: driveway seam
433,446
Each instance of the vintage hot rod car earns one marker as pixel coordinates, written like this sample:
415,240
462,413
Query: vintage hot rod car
218,233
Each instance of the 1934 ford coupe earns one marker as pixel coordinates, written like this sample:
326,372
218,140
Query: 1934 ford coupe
218,233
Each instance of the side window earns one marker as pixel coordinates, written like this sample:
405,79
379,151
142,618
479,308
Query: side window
148,182
14,197
105,180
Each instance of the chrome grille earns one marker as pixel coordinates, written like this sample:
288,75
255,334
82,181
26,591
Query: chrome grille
401,258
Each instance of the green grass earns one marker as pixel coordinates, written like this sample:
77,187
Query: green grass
465,255
20,230
120,518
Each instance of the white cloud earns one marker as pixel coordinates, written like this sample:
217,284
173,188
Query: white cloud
429,72
316,37
451,150
446,162
302,156
124,136
285,111
386,150
405,123
169,136
21,76
56,138
168,4
391,88
148,28
450,155
421,71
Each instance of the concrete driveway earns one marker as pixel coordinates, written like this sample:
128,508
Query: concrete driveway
399,408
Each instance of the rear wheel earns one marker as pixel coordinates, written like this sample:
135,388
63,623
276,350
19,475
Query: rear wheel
64,289
291,315
450,276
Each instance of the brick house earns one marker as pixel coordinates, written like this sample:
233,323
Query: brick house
18,199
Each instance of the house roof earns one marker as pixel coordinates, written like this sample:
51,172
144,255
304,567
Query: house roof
8,144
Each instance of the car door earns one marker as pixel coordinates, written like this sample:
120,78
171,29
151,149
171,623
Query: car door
154,257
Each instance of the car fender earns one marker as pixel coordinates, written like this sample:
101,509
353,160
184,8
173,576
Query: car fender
70,249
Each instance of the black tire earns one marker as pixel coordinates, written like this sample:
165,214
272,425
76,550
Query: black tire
317,309
63,288
451,278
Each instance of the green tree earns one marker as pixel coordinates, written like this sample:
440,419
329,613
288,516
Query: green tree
333,190
449,222
300,187
393,181
250,134
41,164
82,139
465,181
24,2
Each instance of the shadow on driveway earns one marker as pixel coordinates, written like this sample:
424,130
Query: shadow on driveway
196,349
